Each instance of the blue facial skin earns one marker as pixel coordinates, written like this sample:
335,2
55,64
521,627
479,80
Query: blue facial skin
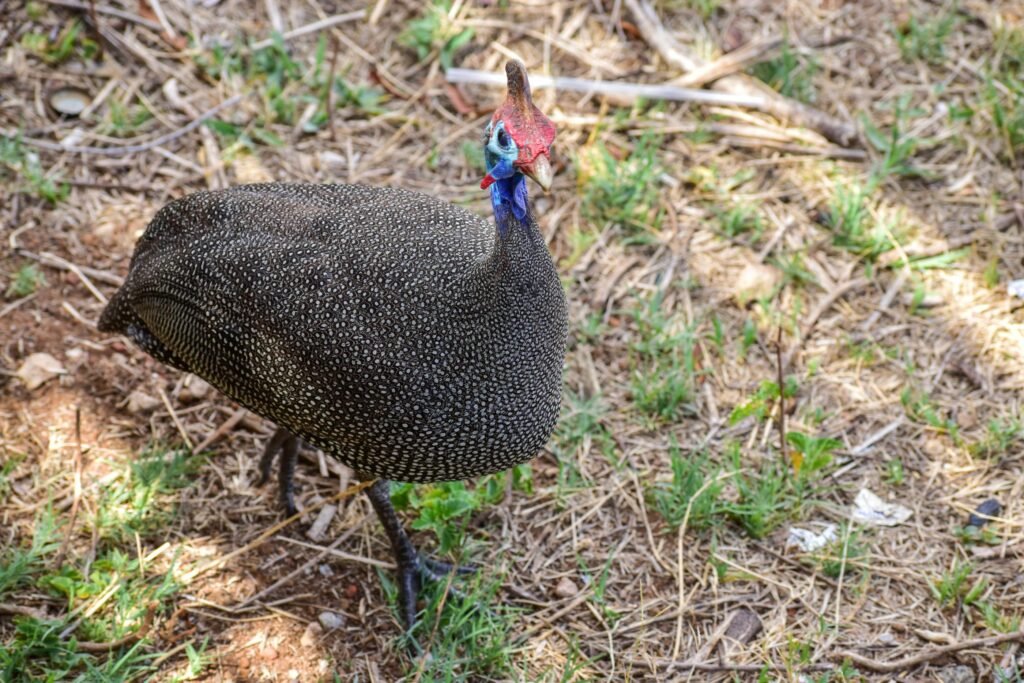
508,192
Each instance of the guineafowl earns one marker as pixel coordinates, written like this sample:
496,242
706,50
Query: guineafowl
405,336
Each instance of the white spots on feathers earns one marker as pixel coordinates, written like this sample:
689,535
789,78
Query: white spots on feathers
391,329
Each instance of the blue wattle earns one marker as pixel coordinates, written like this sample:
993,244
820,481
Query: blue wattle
508,196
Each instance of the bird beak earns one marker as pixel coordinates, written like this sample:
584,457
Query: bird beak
540,170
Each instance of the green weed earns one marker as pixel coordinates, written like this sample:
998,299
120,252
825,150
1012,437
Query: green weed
952,586
897,145
762,503
140,499
124,120
853,227
583,421
810,455
26,280
435,30
25,164
926,39
1000,435
286,89
791,73
665,369
894,474
922,409
1006,107
833,560
445,509
739,219
760,404
694,488
621,192
67,44
17,565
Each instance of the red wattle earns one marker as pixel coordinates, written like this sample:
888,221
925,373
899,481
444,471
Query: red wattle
486,182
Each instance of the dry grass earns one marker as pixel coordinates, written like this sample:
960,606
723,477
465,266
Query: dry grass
677,307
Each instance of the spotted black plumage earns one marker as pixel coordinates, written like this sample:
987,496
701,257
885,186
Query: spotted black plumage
393,330
405,336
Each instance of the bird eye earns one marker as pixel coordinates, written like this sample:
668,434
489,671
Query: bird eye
503,140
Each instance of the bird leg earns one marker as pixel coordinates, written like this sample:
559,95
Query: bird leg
288,445
412,567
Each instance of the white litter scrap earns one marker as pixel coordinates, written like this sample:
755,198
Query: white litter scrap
870,509
1016,288
809,541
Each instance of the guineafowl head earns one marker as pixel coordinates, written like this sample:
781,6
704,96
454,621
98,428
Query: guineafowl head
517,143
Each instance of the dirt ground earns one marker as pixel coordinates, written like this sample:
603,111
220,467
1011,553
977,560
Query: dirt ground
707,250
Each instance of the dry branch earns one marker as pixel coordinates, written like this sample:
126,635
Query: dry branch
929,655
127,149
783,108
631,91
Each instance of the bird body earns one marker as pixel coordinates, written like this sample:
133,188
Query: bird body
403,335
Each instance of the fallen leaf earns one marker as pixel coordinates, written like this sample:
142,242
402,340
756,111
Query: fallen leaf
38,368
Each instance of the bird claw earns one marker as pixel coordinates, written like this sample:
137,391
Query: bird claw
411,575
287,444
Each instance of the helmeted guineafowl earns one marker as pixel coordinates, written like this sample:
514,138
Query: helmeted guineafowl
403,335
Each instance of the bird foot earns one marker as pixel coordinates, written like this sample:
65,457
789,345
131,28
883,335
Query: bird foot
413,572
287,444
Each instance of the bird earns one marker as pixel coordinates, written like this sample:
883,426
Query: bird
411,339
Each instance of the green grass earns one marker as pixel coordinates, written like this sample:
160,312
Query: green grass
119,586
286,89
664,362
1000,435
622,192
922,409
581,422
738,219
28,173
896,144
693,494
434,30
791,74
26,280
854,228
70,43
925,39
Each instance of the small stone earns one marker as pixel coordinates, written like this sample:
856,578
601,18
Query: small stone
141,402
988,508
957,674
331,620
293,674
39,368
886,638
329,160
326,571
967,417
196,389
312,633
566,588
934,447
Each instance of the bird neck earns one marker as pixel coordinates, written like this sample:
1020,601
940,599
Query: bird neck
511,205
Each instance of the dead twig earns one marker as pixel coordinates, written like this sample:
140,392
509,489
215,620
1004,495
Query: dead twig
630,91
108,10
58,559
927,656
783,108
312,28
128,149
